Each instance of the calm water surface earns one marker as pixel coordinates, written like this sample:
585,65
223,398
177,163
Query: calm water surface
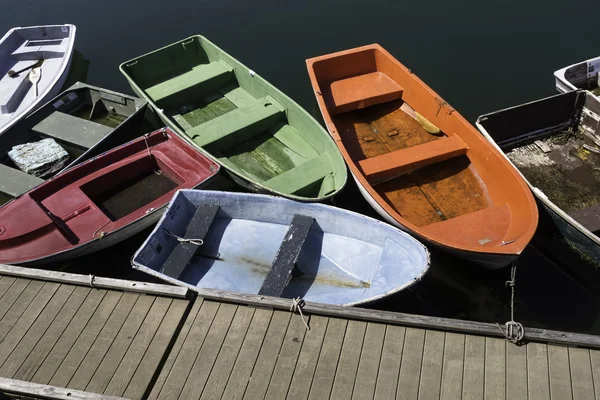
479,55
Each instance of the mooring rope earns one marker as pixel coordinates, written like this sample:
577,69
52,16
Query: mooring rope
98,230
296,307
147,144
514,331
92,279
197,242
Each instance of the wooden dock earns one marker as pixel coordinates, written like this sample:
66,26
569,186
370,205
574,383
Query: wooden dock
68,336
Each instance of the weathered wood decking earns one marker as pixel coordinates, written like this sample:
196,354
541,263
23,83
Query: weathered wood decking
109,340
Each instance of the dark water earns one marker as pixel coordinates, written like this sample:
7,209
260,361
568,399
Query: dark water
479,56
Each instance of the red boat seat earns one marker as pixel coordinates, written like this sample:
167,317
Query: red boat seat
360,91
25,217
399,162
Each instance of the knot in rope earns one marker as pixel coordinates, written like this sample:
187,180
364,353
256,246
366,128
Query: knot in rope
197,242
92,278
296,307
513,331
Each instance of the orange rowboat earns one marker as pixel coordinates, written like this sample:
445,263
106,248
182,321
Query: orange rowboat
419,163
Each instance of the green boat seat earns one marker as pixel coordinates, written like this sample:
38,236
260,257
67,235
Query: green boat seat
237,126
302,176
15,182
200,80
72,130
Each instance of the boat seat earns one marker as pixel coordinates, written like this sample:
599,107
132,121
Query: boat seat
72,130
15,182
486,227
201,80
34,50
280,273
399,162
236,126
360,91
197,229
13,90
302,176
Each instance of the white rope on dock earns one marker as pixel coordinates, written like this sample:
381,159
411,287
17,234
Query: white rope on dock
513,331
92,279
197,242
296,307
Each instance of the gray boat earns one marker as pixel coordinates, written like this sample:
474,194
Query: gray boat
259,244
84,121
34,64
555,144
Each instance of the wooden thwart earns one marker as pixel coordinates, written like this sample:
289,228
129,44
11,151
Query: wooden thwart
196,230
281,270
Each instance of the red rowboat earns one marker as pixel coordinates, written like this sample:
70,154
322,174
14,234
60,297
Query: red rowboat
100,202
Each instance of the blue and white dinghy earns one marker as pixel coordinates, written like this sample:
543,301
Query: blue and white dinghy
258,244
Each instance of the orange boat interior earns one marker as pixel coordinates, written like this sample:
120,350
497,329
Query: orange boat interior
415,154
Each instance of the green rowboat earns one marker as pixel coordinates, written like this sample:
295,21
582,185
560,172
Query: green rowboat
266,141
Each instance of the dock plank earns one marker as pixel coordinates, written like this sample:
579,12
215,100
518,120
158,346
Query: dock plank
516,372
343,384
11,361
322,382
581,374
537,371
560,375
495,368
431,369
175,351
86,339
5,284
108,349
389,368
92,308
229,352
148,365
138,347
258,381
182,366
17,305
242,370
83,301
595,359
410,366
453,366
14,292
286,362
370,358
474,368
307,360
208,352
13,336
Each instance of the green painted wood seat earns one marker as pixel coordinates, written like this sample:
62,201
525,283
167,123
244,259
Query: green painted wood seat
69,129
302,176
236,126
16,182
200,80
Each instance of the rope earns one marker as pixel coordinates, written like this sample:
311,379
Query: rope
296,307
197,242
92,278
513,331
101,233
147,144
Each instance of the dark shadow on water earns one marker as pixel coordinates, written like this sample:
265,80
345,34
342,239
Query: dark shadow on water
79,70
